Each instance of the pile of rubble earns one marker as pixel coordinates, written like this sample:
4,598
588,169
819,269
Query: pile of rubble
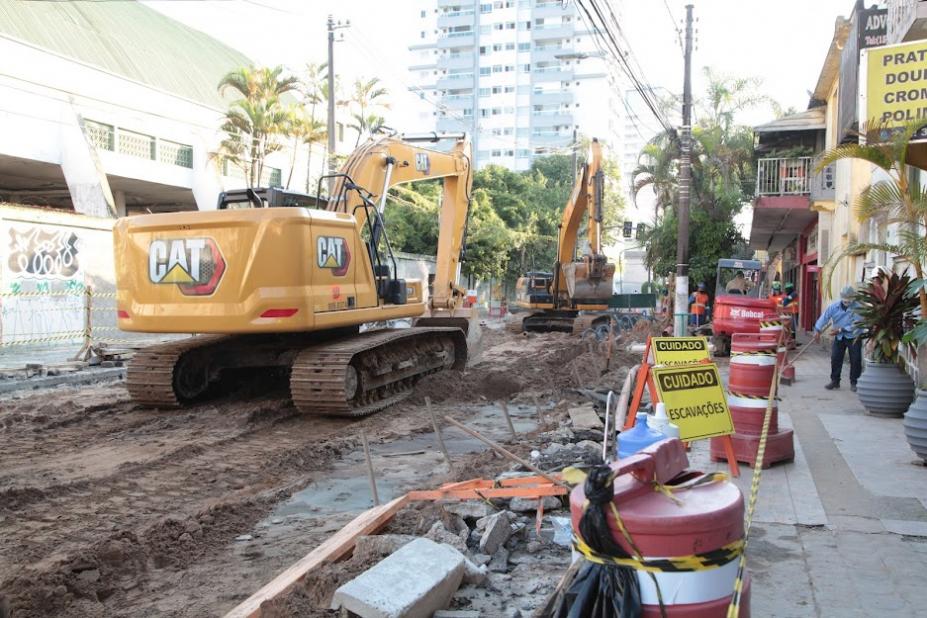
461,558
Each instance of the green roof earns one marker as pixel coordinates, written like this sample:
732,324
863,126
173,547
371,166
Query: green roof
128,39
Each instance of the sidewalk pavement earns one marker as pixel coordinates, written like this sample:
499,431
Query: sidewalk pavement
842,530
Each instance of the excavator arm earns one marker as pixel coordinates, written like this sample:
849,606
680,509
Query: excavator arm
589,280
363,185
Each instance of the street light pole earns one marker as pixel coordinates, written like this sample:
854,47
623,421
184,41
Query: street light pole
332,26
685,182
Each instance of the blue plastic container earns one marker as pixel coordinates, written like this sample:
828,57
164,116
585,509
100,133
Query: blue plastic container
638,437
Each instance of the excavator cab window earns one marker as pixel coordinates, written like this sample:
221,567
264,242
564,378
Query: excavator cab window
738,278
267,197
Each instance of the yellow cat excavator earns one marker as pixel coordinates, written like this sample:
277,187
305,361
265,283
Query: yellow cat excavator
556,299
289,287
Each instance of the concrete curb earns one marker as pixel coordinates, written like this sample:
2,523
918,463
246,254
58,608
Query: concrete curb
80,377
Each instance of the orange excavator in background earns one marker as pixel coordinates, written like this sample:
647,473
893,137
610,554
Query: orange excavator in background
289,287
556,299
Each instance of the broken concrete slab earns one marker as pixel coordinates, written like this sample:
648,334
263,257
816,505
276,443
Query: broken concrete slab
525,505
439,534
415,582
469,509
500,561
585,417
497,529
456,613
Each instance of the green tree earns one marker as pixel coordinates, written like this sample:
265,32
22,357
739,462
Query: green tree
257,122
367,97
303,129
723,180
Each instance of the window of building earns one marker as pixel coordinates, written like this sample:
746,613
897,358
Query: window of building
482,50
485,29
508,110
509,46
523,152
424,14
498,26
486,8
509,68
497,5
526,68
528,25
497,68
484,92
510,25
497,47
484,113
423,34
485,70
510,88
507,131
510,153
497,153
524,47
496,89
496,111
467,111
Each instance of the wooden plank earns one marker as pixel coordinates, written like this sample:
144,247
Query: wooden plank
497,492
336,546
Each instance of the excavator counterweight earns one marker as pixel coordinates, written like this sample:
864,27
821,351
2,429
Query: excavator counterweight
290,287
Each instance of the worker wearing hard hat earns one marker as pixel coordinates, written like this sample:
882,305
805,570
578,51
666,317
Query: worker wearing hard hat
789,304
776,293
698,305
847,333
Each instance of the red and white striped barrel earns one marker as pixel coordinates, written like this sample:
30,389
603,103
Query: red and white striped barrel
748,411
708,518
776,327
753,363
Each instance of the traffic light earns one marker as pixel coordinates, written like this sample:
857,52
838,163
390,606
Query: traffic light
641,230
628,225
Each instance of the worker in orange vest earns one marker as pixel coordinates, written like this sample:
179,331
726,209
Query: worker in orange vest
776,294
698,305
789,304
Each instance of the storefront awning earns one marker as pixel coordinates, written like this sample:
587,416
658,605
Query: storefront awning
777,221
809,120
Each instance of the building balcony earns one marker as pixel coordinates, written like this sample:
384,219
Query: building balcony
456,39
455,81
551,98
551,74
551,119
551,31
455,61
794,177
457,101
907,20
452,19
548,9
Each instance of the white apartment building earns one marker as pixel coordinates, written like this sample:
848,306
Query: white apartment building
521,76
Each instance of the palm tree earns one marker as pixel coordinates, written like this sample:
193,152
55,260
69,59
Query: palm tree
656,168
304,129
368,96
254,122
895,199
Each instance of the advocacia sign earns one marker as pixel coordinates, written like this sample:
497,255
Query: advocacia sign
894,92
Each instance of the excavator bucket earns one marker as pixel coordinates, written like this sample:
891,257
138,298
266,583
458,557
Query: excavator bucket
589,283
465,319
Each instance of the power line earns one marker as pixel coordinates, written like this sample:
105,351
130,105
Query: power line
674,23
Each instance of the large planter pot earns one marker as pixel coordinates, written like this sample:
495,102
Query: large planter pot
915,425
885,389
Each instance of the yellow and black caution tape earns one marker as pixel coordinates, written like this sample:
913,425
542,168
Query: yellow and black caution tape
675,564
754,353
733,610
745,396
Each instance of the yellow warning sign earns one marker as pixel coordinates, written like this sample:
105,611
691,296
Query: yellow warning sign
695,400
675,351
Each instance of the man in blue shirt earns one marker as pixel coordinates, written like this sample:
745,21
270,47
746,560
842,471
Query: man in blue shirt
842,317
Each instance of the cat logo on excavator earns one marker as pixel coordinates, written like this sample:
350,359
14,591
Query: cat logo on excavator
195,265
332,252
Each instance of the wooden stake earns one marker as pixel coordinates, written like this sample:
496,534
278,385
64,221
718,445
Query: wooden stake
373,480
506,453
434,422
537,406
508,419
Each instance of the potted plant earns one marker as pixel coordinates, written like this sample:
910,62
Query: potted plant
884,388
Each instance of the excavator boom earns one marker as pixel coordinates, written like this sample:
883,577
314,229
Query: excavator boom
290,287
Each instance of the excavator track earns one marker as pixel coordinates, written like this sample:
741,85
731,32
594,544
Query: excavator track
152,376
365,373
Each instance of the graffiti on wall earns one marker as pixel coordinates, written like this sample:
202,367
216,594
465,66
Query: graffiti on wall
43,253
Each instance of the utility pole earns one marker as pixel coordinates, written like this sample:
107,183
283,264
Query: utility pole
332,26
685,182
